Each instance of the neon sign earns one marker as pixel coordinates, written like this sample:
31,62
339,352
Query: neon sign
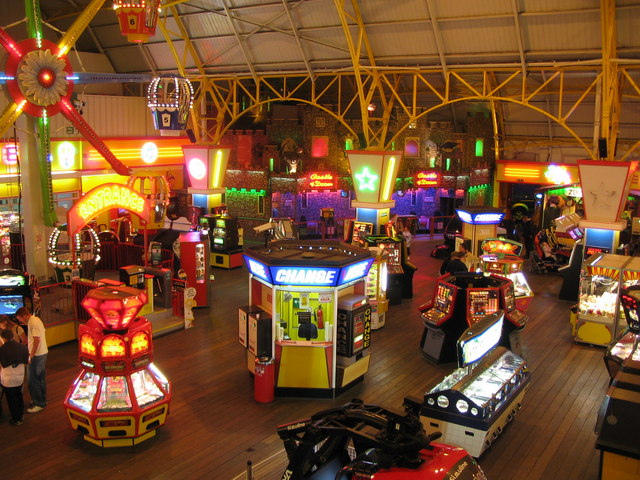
557,175
9,154
304,276
103,198
426,179
197,168
366,180
319,181
149,152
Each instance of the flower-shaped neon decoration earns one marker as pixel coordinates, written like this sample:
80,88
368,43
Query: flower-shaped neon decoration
367,180
42,78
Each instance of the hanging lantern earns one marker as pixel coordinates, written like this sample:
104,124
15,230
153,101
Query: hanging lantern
170,100
137,18
156,189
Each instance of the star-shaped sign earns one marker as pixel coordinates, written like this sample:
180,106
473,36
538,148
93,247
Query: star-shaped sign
366,179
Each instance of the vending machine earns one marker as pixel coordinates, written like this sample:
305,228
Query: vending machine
354,327
194,259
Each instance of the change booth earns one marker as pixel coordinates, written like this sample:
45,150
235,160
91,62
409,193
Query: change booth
309,318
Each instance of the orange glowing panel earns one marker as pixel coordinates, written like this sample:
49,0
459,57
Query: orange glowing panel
87,345
112,346
139,343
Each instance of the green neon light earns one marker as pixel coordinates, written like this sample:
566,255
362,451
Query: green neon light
253,191
390,179
479,147
271,161
366,180
448,164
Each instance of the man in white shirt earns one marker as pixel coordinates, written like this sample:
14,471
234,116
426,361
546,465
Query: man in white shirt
37,344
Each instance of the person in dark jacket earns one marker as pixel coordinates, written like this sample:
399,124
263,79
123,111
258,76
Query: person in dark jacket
456,265
14,357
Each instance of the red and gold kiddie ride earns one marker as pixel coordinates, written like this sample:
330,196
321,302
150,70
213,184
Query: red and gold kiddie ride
120,398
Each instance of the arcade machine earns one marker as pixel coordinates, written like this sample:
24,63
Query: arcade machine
596,322
120,397
359,230
504,257
473,404
391,248
194,260
376,288
478,224
308,313
225,248
625,347
361,441
15,292
597,240
459,302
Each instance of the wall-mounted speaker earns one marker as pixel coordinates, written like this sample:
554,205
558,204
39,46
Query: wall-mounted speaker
602,147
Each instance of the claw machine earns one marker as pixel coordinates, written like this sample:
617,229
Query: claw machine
308,315
598,306
473,404
625,347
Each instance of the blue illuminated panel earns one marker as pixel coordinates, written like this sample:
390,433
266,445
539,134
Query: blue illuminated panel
258,269
355,272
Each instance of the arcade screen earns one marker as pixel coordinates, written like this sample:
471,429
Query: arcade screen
576,233
360,228
481,302
12,280
221,223
444,297
9,304
394,260
509,299
219,232
218,240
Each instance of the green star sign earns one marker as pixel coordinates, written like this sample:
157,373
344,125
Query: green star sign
366,180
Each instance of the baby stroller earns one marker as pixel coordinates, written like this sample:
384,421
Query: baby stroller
543,257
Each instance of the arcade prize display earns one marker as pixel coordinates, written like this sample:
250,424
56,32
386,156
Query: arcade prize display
308,315
473,404
15,291
625,347
120,397
460,301
597,319
504,257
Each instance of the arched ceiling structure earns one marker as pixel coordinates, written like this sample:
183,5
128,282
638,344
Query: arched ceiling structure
550,73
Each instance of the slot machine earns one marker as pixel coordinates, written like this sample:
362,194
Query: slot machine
395,271
515,319
360,229
224,236
440,334
353,327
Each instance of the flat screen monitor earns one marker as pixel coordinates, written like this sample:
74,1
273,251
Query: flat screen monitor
9,304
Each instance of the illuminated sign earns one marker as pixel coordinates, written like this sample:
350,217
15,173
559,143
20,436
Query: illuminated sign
366,180
112,347
500,246
480,217
325,277
139,343
149,152
66,155
557,175
322,181
9,154
87,345
426,179
355,271
465,217
476,341
103,198
258,269
197,168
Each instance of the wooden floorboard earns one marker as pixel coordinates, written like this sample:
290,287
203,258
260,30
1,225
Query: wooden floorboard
215,426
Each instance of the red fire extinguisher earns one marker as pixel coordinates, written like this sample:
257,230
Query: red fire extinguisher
320,317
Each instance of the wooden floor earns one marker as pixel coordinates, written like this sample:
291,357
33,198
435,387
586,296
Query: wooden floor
215,425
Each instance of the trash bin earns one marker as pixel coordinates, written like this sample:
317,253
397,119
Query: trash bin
264,377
